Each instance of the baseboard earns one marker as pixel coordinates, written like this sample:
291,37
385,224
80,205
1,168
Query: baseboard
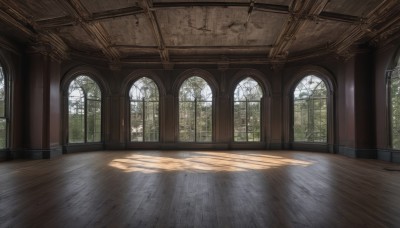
115,146
4,155
357,153
275,146
313,147
43,153
248,146
388,155
82,147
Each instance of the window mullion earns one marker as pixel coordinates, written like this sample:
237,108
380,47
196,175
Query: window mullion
144,118
85,118
195,119
247,121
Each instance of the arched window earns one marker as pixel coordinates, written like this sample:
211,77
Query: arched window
144,106
3,109
395,105
310,110
84,111
195,111
247,111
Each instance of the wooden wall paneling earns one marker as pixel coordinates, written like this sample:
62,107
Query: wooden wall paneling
43,138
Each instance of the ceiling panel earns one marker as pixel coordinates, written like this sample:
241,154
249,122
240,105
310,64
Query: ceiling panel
219,52
77,38
166,1
275,2
41,9
206,26
99,6
358,8
315,34
130,30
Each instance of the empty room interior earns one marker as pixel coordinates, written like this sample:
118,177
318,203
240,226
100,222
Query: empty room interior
183,113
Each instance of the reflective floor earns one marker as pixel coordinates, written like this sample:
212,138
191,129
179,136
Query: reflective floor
199,189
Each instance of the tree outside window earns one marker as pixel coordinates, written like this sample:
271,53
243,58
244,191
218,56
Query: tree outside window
3,110
310,110
195,111
395,105
84,111
247,111
144,111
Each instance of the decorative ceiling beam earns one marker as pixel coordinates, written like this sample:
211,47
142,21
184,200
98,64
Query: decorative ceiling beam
270,8
54,45
19,25
385,10
136,47
298,9
93,29
97,16
147,6
57,22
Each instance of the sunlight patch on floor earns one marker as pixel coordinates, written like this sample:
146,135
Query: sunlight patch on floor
203,162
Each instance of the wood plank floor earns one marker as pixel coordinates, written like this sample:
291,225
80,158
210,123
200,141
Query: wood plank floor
199,189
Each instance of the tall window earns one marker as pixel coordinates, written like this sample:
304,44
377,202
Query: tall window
310,110
395,105
84,111
144,111
247,111
3,110
195,111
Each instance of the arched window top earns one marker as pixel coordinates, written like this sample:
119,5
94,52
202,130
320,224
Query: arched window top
248,89
86,85
310,86
144,88
195,88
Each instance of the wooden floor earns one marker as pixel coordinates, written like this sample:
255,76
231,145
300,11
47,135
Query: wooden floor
199,189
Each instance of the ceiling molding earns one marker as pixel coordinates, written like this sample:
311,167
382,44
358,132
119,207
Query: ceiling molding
93,29
54,23
147,5
379,14
11,14
262,7
298,9
55,46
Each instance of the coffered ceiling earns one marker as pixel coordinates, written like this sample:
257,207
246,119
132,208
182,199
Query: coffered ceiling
195,31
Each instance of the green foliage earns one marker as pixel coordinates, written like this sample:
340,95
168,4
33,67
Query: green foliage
195,111
310,110
247,111
395,111
144,98
84,106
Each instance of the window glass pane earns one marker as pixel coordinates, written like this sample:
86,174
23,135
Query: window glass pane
84,107
247,111
3,133
187,120
76,109
253,121
2,93
151,121
136,121
240,121
144,98
93,121
395,107
310,110
248,89
195,111
204,121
